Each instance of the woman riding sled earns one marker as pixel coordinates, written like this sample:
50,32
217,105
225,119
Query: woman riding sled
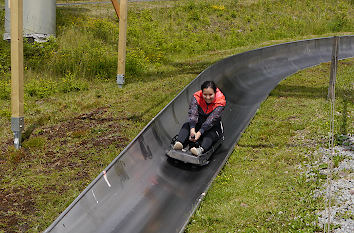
204,123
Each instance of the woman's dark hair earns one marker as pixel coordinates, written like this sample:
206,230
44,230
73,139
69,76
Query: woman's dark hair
208,84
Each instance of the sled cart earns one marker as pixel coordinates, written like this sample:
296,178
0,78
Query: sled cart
186,156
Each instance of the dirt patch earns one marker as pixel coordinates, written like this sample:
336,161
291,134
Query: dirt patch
73,145
90,131
14,205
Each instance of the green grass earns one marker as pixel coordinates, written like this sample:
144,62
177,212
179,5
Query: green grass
78,121
159,33
261,189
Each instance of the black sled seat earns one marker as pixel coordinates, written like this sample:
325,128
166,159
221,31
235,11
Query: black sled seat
187,157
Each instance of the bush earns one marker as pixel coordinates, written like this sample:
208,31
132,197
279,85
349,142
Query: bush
5,57
5,89
36,55
102,28
69,84
86,57
44,87
5,113
339,23
40,88
135,62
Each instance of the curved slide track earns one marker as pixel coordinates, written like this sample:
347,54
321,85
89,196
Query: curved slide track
142,190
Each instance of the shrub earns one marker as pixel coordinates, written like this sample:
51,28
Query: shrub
135,62
70,83
5,89
339,23
5,113
44,87
36,55
87,57
5,57
102,28
40,88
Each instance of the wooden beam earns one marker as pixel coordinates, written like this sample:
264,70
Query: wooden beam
17,57
116,7
122,42
17,73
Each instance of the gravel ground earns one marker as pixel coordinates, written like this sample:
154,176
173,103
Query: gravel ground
342,185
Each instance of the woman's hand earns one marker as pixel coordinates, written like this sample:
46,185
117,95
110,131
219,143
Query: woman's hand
192,134
196,135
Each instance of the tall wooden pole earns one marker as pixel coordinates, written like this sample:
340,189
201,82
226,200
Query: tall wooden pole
122,42
17,118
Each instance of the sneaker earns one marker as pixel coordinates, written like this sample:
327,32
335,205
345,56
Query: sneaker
178,146
197,151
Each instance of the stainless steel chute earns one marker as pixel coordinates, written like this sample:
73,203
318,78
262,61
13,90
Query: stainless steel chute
149,194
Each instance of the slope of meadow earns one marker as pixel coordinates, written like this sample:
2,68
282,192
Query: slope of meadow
77,120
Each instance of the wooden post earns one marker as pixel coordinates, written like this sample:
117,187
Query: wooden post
334,64
17,119
116,7
122,42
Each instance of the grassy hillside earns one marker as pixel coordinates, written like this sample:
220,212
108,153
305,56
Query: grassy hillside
77,120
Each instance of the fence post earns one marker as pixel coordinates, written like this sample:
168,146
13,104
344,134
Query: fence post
122,42
17,119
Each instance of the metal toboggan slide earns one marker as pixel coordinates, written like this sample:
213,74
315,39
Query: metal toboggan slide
142,190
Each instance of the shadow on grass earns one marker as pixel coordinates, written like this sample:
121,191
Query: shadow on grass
260,145
28,132
190,67
283,90
177,68
139,117
344,96
299,91
270,146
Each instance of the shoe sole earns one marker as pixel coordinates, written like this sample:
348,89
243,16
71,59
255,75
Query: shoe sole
194,151
178,146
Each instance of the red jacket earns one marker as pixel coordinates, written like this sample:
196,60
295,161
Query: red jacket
219,101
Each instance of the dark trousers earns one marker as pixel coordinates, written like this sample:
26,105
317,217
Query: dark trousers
206,140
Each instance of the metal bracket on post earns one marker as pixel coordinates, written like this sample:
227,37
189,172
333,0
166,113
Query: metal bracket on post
17,126
120,80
